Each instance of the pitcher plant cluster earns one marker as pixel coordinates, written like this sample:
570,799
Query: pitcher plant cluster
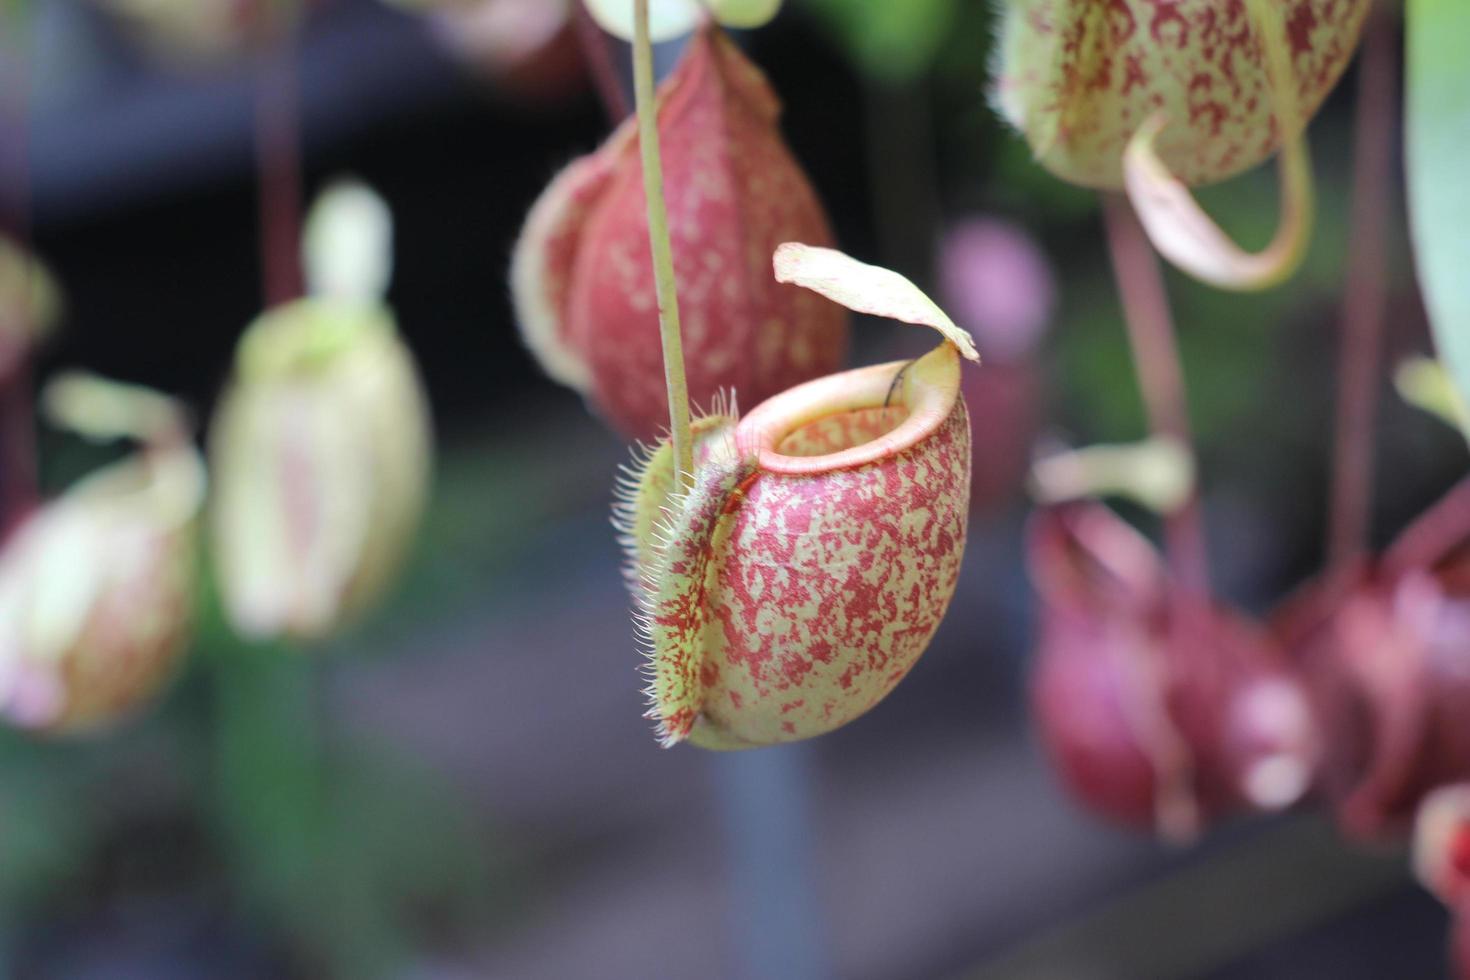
317,473
789,564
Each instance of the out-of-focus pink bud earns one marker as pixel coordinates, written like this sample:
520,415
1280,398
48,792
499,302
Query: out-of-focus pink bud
97,587
582,274
999,285
1158,711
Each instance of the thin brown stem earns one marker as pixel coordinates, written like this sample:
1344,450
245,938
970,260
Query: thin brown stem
1359,357
598,56
1433,533
19,485
19,492
662,248
278,163
1160,374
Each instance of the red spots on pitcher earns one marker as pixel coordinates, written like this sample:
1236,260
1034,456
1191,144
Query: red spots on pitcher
868,557
1133,73
1122,23
1080,90
805,571
1203,106
677,608
709,674
1167,24
1299,28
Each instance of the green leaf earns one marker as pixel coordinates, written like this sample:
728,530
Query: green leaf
1438,140
891,41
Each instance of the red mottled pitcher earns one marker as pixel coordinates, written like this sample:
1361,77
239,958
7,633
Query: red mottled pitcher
1080,77
799,578
582,273
1161,95
1387,655
1158,710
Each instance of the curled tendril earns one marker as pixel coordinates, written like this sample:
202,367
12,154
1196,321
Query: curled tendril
1187,236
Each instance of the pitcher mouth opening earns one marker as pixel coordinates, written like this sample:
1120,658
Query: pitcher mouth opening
855,418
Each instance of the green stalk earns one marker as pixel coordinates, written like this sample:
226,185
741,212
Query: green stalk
663,251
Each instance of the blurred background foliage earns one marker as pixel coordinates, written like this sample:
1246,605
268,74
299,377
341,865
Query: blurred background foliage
460,785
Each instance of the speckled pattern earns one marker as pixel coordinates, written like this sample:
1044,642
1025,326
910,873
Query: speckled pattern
137,634
541,267
97,591
583,277
644,486
680,600
778,607
1078,78
833,586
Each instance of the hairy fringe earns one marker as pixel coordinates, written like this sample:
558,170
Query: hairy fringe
642,574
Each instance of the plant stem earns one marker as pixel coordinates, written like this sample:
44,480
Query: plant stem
1160,375
278,163
1433,534
19,493
19,490
269,767
658,240
1351,500
596,53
